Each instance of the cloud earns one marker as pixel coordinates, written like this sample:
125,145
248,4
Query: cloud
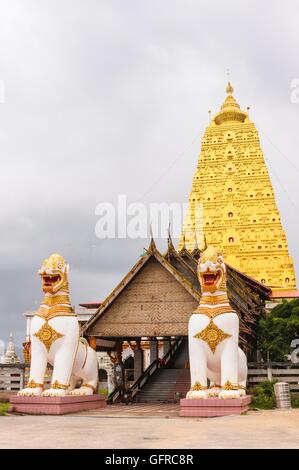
101,98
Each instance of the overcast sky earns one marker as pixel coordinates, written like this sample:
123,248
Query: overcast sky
102,98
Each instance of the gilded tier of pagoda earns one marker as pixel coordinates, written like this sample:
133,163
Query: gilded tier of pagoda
232,202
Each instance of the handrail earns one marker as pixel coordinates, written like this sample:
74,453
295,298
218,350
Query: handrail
135,386
156,364
111,397
141,381
146,374
116,392
168,355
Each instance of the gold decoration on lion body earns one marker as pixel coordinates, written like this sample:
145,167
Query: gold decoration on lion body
197,387
59,386
47,335
51,301
57,311
33,384
212,335
213,312
229,386
214,300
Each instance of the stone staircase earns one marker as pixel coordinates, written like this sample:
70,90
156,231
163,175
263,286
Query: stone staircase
168,383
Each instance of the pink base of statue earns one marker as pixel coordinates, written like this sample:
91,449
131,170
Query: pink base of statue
211,407
56,405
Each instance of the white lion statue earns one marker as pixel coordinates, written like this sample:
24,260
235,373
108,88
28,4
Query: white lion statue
55,339
213,336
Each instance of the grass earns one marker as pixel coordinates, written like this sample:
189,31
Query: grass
3,408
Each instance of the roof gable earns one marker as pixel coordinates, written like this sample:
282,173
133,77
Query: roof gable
151,276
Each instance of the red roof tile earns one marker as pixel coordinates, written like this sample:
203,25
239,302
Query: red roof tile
285,294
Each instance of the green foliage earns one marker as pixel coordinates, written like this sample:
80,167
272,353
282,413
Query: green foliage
3,408
276,331
295,403
295,400
263,396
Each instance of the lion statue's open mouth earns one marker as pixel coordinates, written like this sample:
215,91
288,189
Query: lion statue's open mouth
53,273
211,270
211,279
50,280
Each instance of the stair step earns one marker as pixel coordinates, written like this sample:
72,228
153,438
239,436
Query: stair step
166,383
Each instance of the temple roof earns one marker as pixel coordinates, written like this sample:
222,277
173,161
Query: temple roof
247,296
152,253
90,304
285,294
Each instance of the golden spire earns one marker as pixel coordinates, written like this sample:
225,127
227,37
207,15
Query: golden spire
230,110
229,89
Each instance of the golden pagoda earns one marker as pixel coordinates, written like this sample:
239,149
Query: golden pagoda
232,202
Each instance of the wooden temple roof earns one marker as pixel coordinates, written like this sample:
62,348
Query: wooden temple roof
159,293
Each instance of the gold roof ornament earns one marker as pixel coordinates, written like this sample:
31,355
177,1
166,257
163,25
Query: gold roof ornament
184,241
170,244
152,245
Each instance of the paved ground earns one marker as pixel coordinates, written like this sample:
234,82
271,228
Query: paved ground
139,410
151,426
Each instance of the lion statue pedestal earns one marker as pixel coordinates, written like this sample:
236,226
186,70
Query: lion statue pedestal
218,366
55,339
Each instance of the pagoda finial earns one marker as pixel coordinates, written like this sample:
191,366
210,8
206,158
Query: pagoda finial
196,241
184,241
205,246
152,245
229,88
169,241
230,110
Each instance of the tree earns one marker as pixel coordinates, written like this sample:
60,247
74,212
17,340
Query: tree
276,331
